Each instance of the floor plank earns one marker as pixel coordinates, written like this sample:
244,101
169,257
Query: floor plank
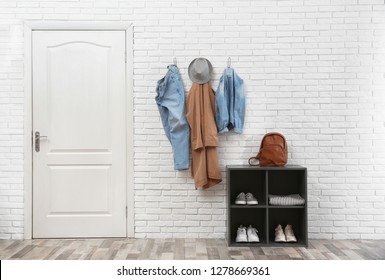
184,249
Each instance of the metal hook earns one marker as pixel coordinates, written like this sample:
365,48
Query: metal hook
174,61
229,62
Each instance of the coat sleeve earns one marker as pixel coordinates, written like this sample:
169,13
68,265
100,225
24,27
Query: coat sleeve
193,117
222,110
239,104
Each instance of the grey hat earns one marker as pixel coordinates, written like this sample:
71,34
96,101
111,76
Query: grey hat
200,70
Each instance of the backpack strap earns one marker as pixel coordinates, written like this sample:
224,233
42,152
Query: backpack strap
251,160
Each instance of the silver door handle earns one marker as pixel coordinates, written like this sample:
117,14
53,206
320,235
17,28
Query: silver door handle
37,140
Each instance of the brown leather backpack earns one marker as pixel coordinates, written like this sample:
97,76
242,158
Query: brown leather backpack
273,150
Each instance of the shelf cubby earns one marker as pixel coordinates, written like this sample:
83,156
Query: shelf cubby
256,217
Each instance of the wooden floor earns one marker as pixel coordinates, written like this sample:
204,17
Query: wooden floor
180,249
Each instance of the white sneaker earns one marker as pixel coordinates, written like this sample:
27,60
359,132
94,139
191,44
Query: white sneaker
250,199
252,235
241,234
241,199
290,237
279,235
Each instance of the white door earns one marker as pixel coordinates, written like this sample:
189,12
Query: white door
79,173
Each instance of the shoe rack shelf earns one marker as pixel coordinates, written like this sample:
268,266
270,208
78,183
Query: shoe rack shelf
262,181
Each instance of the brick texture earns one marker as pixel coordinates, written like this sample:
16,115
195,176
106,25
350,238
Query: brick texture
314,70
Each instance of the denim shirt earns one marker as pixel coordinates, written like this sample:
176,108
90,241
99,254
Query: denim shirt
230,102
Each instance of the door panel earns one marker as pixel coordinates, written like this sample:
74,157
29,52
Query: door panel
79,174
72,185
71,86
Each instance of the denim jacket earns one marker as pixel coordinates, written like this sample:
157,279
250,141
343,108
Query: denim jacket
230,102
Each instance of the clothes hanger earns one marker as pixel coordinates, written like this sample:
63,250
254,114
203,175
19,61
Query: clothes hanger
229,62
174,61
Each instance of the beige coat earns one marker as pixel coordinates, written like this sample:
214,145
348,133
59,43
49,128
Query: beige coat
200,115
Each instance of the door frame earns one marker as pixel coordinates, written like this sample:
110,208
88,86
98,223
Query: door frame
29,27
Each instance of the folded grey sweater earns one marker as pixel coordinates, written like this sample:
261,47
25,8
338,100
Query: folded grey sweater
291,199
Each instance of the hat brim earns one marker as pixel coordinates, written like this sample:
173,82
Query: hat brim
204,79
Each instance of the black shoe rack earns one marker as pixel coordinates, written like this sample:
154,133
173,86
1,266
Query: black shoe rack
262,181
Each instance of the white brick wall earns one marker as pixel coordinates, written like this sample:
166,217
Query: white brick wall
314,70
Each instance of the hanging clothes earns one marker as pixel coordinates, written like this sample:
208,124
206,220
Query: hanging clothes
230,102
200,115
170,100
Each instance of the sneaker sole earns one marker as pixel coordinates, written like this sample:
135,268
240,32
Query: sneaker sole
252,203
254,241
280,241
292,240
240,240
240,202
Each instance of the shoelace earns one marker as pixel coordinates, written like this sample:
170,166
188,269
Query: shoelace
290,231
249,195
279,228
241,195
